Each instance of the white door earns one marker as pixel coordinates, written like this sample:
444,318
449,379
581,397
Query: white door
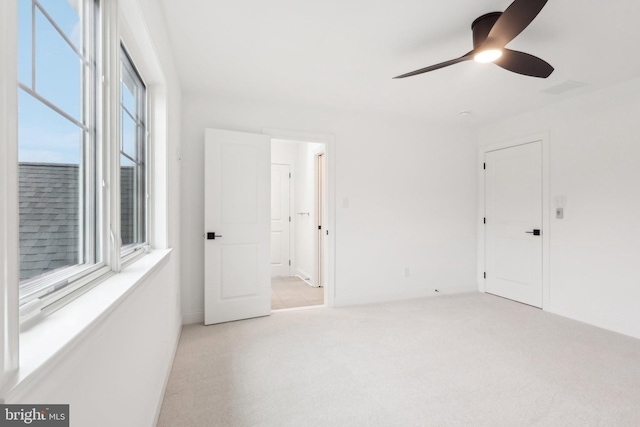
513,207
237,200
280,220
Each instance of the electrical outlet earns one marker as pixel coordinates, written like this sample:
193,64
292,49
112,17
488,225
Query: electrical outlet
559,213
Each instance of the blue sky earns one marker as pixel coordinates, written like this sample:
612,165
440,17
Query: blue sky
44,135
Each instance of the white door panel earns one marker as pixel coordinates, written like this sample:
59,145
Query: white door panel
513,180
280,220
237,201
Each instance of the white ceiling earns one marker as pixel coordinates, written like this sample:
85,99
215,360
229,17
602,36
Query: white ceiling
343,53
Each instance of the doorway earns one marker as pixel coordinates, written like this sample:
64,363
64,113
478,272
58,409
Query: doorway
298,207
515,229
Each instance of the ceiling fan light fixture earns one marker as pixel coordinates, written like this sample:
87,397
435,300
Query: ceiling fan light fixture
487,56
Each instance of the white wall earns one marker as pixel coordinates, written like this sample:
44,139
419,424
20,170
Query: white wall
284,152
117,375
411,191
595,163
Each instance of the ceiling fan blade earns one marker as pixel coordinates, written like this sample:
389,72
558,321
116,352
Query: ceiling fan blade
463,58
523,63
516,18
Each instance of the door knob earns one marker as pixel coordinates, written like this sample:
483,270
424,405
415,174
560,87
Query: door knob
535,232
212,236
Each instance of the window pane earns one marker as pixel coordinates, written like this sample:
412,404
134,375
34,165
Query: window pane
128,136
127,201
24,42
132,157
57,68
66,15
128,92
44,136
49,178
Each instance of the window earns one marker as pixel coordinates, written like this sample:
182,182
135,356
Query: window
59,200
78,141
133,155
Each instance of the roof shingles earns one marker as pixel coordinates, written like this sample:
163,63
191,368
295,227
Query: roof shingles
49,216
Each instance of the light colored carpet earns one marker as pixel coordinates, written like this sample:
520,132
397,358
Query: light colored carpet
462,360
291,292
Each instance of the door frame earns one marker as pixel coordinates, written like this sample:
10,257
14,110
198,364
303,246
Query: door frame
330,207
546,217
317,255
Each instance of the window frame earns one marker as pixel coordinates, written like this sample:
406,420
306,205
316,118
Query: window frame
40,291
111,34
9,313
130,252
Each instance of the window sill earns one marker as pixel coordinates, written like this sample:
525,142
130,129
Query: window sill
55,335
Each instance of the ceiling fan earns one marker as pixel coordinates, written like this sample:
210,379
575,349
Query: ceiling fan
492,32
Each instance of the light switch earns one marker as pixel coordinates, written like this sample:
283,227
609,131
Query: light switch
559,213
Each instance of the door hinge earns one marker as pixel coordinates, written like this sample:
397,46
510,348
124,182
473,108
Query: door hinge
289,263
485,274
485,220
319,227
289,219
484,166
289,175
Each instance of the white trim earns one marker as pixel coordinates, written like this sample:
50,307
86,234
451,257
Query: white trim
302,277
622,326
305,307
388,296
330,146
167,375
316,241
546,221
193,318
111,131
9,323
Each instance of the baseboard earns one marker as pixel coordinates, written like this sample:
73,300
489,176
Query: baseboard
600,320
305,277
167,376
372,298
191,318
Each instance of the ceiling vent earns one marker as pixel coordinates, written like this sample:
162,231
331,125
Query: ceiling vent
563,87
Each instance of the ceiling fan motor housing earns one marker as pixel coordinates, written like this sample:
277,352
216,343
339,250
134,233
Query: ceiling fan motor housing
482,26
